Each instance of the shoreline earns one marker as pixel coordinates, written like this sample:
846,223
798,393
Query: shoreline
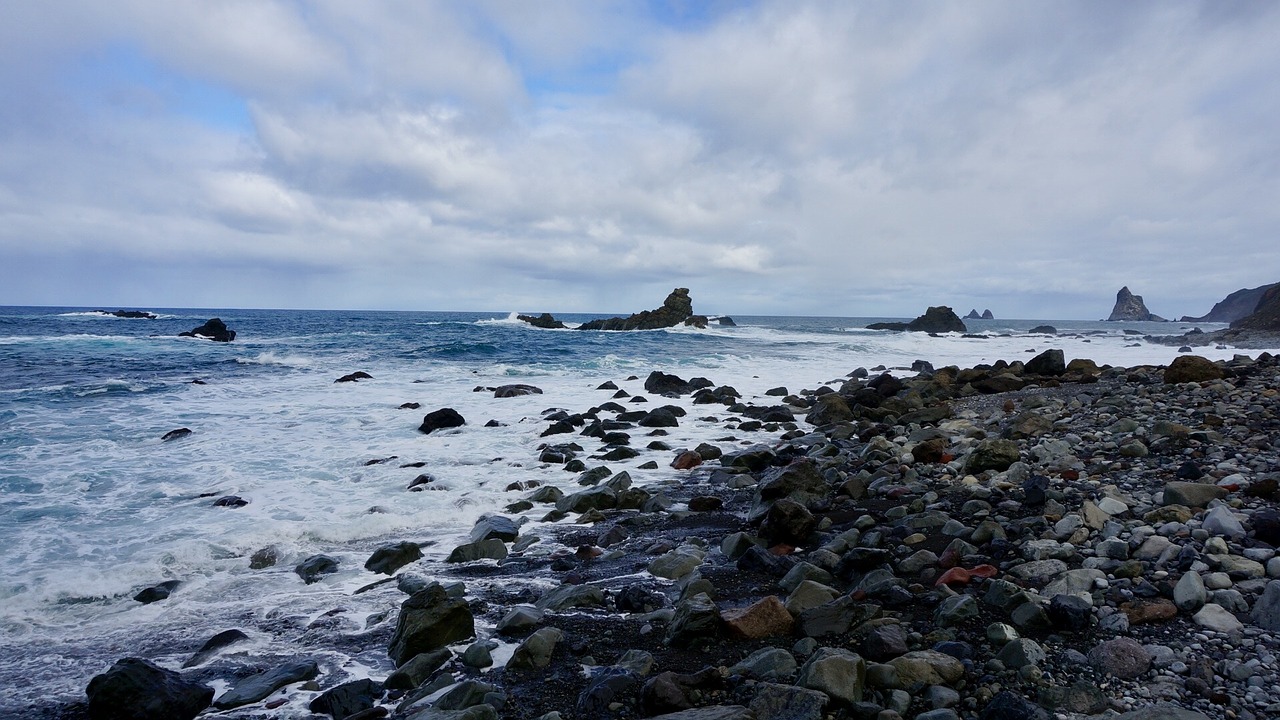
857,476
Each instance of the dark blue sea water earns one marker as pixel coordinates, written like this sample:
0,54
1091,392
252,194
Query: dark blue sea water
94,506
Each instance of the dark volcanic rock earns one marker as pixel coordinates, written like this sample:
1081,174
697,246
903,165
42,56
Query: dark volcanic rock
1239,304
135,689
157,592
938,319
347,699
214,330
176,434
508,391
440,419
1049,362
428,620
389,558
313,567
1130,307
1043,330
355,376
133,314
213,645
545,321
660,383
258,687
677,308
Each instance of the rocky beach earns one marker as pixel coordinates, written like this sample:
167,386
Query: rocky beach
1017,540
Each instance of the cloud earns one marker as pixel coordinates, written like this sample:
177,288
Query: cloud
776,157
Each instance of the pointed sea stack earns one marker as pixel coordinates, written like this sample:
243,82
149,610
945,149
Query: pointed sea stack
1130,307
676,309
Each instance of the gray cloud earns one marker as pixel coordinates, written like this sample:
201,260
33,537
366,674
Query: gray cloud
777,158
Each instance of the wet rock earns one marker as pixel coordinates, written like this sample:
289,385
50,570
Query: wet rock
571,596
213,645
158,592
136,689
492,549
417,670
441,419
389,558
315,566
677,563
354,377
175,434
428,620
258,687
491,527
510,391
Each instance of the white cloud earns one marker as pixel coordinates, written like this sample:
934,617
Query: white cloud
798,157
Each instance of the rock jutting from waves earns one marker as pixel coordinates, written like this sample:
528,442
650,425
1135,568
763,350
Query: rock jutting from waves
1239,304
130,314
677,309
213,329
1129,307
1014,540
974,315
938,319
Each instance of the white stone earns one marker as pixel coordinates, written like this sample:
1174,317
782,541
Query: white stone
1216,618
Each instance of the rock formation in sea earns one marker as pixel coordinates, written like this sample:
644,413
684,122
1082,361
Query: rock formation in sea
1130,307
544,321
934,320
130,314
986,315
214,330
1266,316
676,309
1235,306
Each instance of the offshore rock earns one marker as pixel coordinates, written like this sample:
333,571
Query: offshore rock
677,308
135,689
544,321
938,319
213,329
1130,307
441,419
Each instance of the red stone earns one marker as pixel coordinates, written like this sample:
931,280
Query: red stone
766,617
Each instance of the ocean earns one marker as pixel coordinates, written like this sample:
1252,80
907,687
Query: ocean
95,506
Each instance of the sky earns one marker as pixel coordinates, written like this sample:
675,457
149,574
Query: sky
777,158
